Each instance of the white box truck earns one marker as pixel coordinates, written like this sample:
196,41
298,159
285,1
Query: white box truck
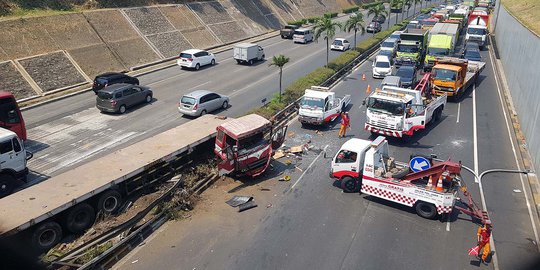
248,53
13,158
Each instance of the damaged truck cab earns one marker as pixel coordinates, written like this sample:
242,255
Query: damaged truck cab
244,145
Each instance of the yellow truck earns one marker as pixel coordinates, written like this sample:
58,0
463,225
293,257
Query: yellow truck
453,76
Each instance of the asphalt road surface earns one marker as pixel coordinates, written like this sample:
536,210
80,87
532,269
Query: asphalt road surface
310,224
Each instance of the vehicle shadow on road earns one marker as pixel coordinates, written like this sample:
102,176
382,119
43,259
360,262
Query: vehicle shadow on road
389,204
275,169
412,142
35,146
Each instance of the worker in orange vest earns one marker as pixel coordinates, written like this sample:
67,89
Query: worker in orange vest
483,236
345,123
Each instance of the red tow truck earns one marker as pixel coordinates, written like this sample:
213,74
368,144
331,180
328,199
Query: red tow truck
244,146
362,165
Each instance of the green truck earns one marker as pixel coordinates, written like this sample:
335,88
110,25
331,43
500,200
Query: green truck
412,47
439,46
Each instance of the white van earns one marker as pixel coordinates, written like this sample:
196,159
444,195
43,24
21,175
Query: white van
382,66
303,35
13,159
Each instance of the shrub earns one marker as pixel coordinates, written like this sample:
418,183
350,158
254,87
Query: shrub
343,59
330,15
350,10
298,23
367,6
312,19
316,77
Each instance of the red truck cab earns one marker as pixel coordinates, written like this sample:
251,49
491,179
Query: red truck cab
244,146
10,115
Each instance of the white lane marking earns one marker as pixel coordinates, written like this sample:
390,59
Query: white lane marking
448,225
197,86
475,138
183,73
458,111
514,150
307,169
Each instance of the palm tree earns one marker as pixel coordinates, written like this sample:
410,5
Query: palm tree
355,22
408,4
396,4
279,61
378,10
327,27
416,2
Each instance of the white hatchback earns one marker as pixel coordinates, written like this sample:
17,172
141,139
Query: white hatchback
340,44
195,58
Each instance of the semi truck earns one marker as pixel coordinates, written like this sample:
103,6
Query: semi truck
431,188
320,106
13,160
477,28
453,76
244,146
69,202
411,47
248,53
400,112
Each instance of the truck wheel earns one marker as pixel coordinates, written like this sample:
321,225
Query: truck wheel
350,185
46,236
79,218
7,182
250,62
426,210
238,61
438,114
109,202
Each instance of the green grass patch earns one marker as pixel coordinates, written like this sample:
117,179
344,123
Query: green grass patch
330,15
526,11
297,23
368,5
312,19
350,10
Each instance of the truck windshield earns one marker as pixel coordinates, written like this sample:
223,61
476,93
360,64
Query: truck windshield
429,23
444,75
407,48
388,44
386,106
312,103
437,51
476,31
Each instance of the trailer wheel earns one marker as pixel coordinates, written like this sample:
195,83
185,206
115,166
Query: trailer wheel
79,218
46,235
109,202
7,183
350,185
438,114
426,210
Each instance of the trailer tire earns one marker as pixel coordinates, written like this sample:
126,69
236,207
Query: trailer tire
46,236
79,218
350,185
109,202
426,210
7,183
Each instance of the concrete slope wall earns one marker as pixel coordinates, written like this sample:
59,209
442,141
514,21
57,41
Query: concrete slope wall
43,55
519,51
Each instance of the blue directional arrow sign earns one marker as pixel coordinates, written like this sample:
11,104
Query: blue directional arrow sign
419,164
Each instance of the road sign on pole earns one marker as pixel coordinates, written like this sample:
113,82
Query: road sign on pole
419,164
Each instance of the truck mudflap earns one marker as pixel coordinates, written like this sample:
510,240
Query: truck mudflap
407,194
383,131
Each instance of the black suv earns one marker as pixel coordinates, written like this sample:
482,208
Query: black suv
380,19
110,78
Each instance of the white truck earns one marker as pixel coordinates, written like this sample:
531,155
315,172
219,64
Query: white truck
248,53
366,166
13,159
320,106
477,28
399,112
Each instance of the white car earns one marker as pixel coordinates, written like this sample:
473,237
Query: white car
340,44
389,44
382,66
195,58
396,35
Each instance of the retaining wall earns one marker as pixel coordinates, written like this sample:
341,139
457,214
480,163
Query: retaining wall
42,55
519,51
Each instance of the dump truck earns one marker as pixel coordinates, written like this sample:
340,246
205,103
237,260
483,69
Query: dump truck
320,106
411,47
244,146
453,76
68,203
400,112
287,31
13,161
429,186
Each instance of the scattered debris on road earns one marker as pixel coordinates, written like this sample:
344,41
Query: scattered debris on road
285,178
246,206
238,200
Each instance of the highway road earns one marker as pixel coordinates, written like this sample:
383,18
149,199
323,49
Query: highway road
71,131
310,224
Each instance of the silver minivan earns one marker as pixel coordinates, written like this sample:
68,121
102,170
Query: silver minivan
119,97
200,102
303,35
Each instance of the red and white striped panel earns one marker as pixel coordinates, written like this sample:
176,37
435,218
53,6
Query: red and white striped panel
388,195
444,209
396,134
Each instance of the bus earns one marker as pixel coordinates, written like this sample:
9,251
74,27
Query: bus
10,115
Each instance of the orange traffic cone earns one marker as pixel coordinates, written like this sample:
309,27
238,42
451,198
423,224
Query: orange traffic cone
439,187
363,76
368,90
430,183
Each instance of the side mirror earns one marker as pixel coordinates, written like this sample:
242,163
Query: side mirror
235,148
364,102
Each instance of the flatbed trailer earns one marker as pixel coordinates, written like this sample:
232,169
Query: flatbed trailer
468,71
44,210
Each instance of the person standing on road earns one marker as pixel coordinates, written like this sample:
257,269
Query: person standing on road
345,123
483,237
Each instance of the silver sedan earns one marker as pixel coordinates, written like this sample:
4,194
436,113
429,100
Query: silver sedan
200,102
